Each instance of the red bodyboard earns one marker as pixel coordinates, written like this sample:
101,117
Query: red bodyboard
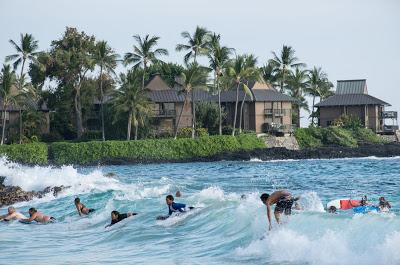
348,204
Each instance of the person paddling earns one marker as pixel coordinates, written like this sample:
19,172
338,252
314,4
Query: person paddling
12,214
38,217
118,217
284,202
81,208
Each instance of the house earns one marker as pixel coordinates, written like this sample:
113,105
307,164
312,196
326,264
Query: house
352,98
12,117
267,111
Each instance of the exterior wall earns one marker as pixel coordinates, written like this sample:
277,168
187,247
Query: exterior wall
373,118
328,114
186,119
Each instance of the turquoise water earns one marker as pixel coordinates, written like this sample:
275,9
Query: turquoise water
224,229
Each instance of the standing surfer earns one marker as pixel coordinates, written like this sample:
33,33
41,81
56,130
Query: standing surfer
284,202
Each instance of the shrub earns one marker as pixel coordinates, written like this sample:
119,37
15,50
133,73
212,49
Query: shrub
162,149
51,137
364,135
338,136
348,122
34,153
92,135
306,138
201,132
185,132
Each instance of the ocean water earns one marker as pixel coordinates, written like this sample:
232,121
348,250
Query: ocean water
223,229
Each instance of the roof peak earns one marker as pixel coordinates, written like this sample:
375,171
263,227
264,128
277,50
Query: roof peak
353,86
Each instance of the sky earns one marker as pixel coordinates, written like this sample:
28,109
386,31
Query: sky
358,39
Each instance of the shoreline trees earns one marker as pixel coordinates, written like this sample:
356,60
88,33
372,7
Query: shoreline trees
69,73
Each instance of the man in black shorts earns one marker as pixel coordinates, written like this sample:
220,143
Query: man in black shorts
284,202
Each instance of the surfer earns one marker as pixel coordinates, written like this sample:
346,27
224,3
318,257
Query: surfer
284,202
174,207
12,215
81,208
38,217
178,194
118,217
384,205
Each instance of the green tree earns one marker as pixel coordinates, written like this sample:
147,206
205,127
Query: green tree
7,81
26,50
218,57
193,77
132,99
268,74
196,45
298,82
319,86
283,65
72,60
106,59
144,53
240,72
168,72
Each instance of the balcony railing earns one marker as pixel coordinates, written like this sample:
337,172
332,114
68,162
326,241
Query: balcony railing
164,113
276,112
389,115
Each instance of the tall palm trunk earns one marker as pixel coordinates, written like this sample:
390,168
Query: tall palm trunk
20,125
103,134
128,134
144,73
236,106
179,117
193,115
78,111
220,110
241,113
136,124
20,111
4,122
312,110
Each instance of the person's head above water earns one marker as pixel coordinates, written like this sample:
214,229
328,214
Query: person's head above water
114,214
32,210
382,199
77,200
169,199
178,194
11,210
332,209
264,197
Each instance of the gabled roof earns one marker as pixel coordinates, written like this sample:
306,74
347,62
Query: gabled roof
157,83
351,100
358,86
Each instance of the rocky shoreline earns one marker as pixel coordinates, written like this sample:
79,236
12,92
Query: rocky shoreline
279,153
13,194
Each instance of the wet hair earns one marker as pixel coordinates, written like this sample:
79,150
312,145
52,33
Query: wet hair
178,194
33,210
264,197
170,197
332,209
115,213
77,200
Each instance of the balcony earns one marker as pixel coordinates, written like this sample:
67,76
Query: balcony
276,112
389,115
164,113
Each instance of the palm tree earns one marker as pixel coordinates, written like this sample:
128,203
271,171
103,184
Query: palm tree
192,78
283,64
196,46
319,86
132,99
239,72
106,59
253,75
7,81
144,53
297,85
26,51
218,57
268,74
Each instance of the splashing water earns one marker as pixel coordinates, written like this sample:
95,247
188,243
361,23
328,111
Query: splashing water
225,227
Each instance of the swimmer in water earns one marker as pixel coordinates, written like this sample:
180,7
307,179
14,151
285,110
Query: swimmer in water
284,202
384,205
12,215
81,208
38,217
118,217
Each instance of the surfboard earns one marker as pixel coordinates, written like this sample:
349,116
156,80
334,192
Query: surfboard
28,223
365,209
343,204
